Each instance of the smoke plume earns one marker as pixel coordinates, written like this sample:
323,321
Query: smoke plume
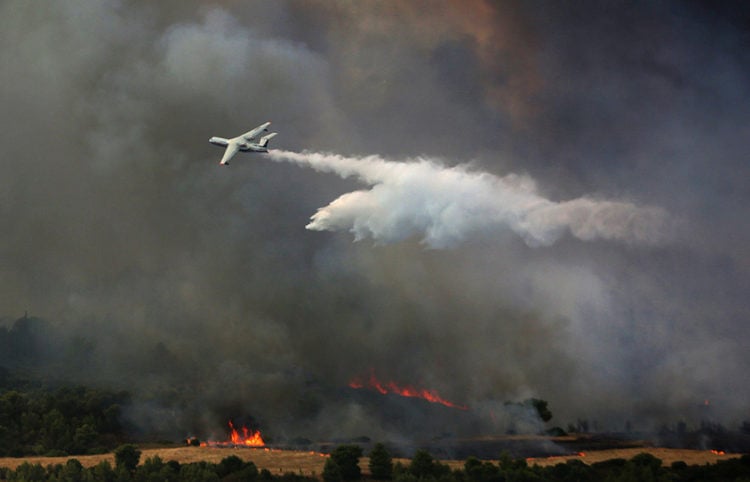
198,288
444,205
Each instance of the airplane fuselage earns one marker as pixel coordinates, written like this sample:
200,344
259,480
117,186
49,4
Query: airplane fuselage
242,144
245,142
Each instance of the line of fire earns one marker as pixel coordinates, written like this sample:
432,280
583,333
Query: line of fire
410,403
245,437
248,437
408,391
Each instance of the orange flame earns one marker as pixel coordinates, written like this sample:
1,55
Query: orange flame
718,452
403,390
251,438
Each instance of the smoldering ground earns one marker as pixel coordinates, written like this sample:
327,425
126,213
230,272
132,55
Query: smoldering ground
200,289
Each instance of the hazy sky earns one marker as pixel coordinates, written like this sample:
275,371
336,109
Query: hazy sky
119,226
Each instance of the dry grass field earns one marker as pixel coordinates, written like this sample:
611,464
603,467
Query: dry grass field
311,463
667,456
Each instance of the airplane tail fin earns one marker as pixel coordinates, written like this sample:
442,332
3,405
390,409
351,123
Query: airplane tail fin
264,140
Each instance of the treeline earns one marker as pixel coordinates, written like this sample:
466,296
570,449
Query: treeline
63,421
127,457
343,466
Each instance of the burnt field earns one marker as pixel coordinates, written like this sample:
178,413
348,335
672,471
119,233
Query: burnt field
519,446
462,429
539,447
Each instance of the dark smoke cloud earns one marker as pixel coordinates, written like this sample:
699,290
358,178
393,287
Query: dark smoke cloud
200,289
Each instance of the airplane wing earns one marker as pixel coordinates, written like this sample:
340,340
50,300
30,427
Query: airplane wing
232,149
250,135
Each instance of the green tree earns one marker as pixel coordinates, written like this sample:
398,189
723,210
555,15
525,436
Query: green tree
199,472
571,471
151,469
424,465
102,472
248,472
54,429
72,471
332,471
30,472
644,467
265,474
381,463
647,460
478,471
84,438
405,477
238,468
421,464
229,464
347,458
68,420
127,457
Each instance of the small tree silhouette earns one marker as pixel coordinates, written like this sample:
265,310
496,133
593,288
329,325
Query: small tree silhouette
381,463
127,457
347,458
331,471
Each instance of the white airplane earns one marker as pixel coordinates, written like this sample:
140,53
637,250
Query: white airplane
244,143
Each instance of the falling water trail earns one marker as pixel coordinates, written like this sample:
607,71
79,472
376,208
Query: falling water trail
445,205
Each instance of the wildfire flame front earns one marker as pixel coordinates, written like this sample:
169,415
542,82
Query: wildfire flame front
251,438
402,390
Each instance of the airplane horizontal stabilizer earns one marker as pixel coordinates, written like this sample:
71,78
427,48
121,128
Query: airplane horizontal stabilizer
264,140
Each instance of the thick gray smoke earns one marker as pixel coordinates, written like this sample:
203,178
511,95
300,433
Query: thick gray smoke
445,205
199,289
